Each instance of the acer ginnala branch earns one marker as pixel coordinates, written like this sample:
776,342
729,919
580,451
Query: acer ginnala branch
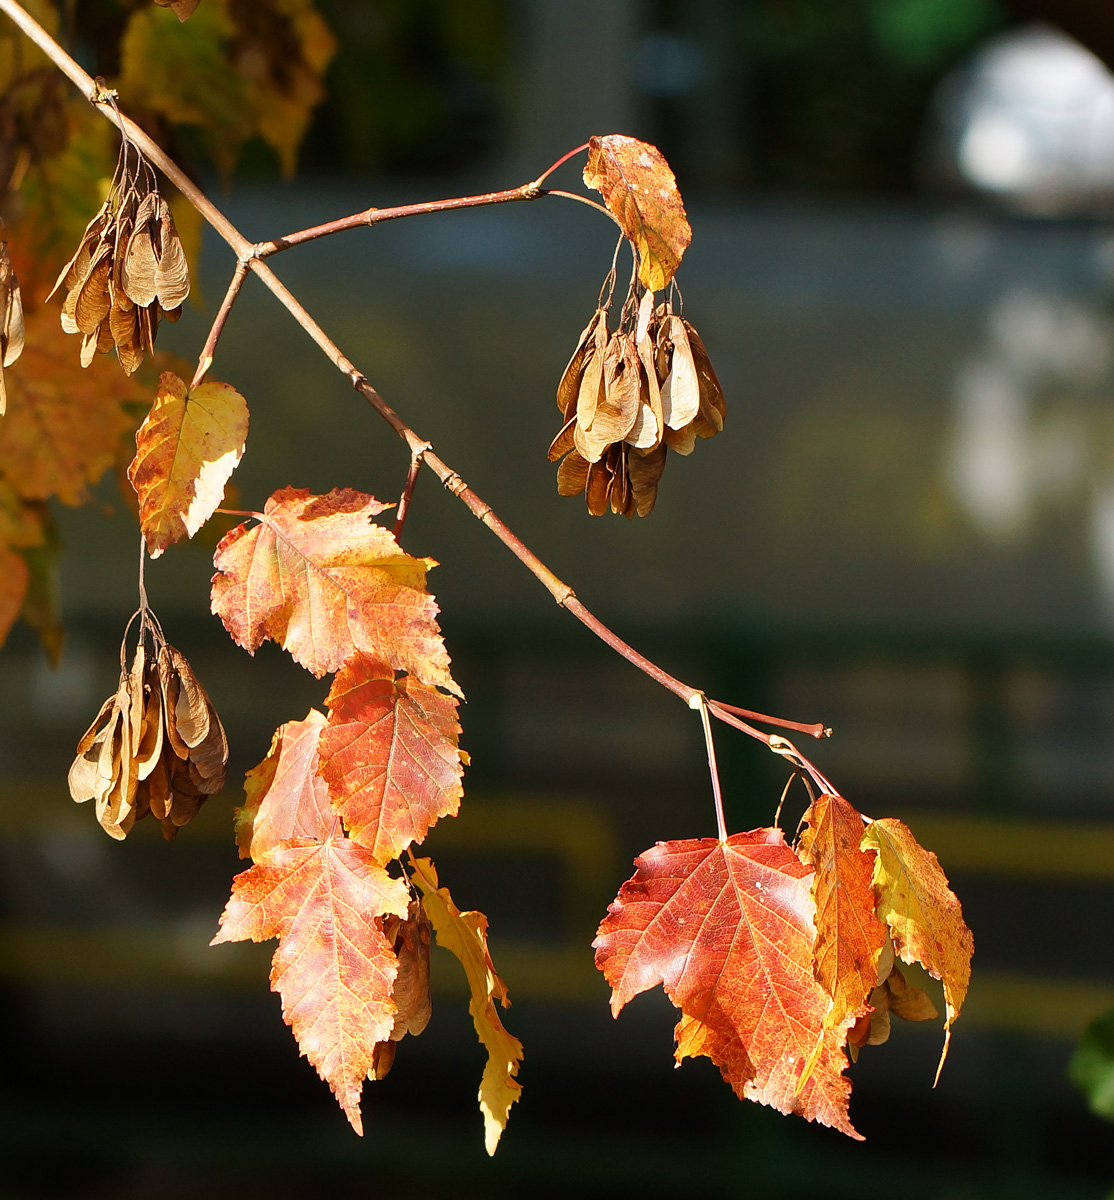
781,956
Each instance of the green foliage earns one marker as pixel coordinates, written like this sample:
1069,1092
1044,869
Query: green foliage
924,35
1092,1065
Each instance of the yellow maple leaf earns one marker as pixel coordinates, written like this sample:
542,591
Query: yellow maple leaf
924,916
186,449
465,935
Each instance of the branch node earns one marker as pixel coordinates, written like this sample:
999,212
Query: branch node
565,595
696,701
102,93
787,750
202,370
455,485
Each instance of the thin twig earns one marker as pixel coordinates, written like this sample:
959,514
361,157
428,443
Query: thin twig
784,792
142,587
408,491
583,200
559,163
700,702
248,252
375,216
205,358
816,730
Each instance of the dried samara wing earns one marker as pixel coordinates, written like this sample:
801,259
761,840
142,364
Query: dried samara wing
11,314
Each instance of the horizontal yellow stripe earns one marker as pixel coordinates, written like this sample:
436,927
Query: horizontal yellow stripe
1057,1007
561,975
1030,849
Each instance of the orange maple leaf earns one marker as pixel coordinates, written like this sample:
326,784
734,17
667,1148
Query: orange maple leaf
390,755
285,797
13,587
639,189
333,968
849,937
727,929
319,577
21,527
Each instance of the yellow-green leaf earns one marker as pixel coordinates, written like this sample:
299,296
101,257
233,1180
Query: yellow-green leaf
924,916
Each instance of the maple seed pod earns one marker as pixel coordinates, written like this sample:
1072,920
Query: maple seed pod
11,320
410,938
128,270
157,746
626,398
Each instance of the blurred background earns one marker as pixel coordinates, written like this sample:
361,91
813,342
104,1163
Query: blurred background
903,269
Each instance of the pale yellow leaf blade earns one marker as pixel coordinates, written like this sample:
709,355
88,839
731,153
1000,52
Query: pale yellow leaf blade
186,449
465,935
923,914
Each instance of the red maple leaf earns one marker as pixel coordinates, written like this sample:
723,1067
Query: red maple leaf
727,929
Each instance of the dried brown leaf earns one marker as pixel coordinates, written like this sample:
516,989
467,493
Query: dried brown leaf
680,392
410,937
645,472
639,189
569,386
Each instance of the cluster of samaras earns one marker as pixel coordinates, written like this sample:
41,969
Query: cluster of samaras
157,746
627,398
129,271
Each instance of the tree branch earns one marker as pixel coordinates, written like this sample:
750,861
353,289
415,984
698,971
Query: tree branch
249,256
